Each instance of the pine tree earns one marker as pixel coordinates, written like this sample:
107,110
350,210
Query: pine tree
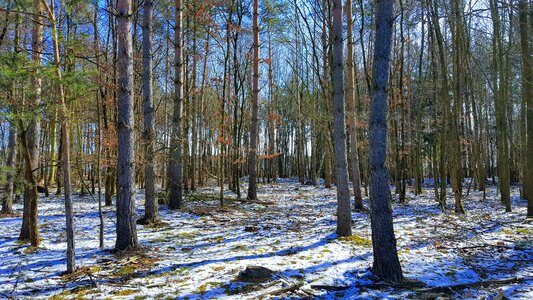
386,263
126,229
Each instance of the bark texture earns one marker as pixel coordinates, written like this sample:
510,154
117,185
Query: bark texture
150,203
175,171
344,216
252,153
31,136
126,229
527,94
386,263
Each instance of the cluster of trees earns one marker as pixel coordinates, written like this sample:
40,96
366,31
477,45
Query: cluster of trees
171,94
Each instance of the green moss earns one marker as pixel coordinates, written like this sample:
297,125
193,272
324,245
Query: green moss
356,240
218,268
181,270
125,293
203,288
125,271
240,247
159,240
186,235
519,230
404,251
218,239
75,293
527,231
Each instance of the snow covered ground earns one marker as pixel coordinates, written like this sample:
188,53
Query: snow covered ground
199,253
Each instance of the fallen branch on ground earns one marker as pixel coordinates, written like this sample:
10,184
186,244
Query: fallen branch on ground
290,288
414,287
447,288
257,202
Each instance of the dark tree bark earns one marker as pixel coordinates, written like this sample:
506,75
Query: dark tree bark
175,172
150,203
500,103
527,97
344,216
386,263
252,153
126,229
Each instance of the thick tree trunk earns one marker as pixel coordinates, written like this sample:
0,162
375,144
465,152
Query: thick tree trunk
150,202
500,102
252,153
456,159
386,263
126,229
344,216
29,218
527,97
175,172
32,136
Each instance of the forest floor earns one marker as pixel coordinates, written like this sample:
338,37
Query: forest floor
199,251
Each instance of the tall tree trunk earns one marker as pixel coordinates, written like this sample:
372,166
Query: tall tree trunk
500,101
7,202
326,85
350,103
201,115
65,150
31,143
126,229
386,263
527,97
150,203
175,172
273,117
252,153
456,159
344,216
100,95
444,101
194,93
